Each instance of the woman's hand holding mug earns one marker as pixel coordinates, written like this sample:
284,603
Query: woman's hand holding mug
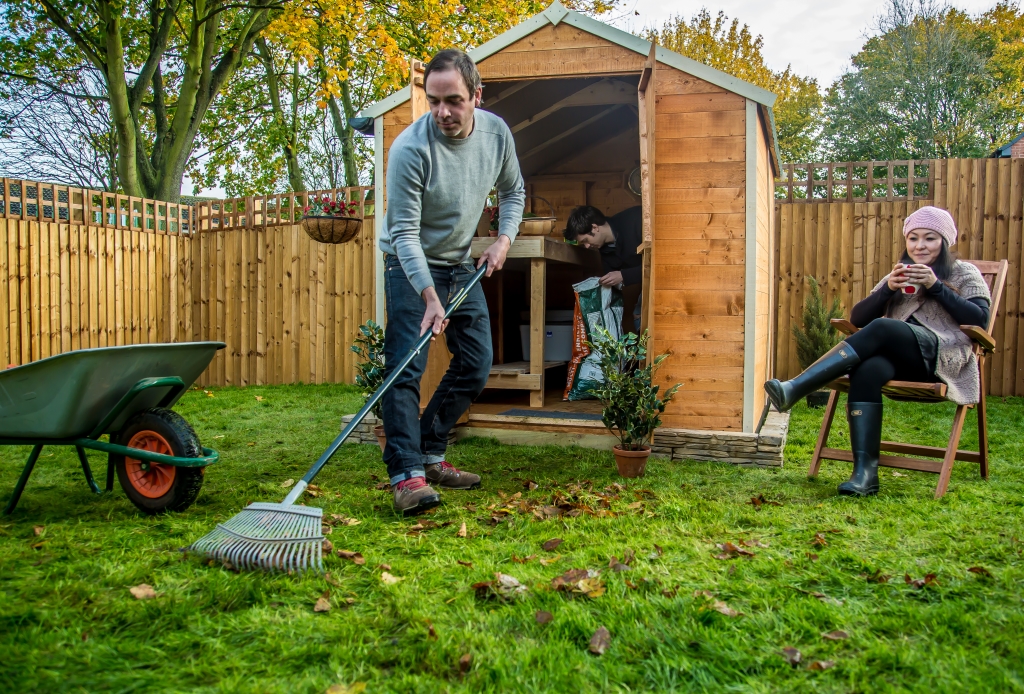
911,279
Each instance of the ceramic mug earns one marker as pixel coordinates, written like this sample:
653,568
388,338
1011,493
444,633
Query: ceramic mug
913,288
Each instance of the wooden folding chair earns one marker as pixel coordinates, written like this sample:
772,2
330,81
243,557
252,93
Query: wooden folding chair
994,273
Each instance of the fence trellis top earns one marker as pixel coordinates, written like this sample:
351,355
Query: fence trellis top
857,181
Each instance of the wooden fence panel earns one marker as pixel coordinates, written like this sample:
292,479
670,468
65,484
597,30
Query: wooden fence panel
849,246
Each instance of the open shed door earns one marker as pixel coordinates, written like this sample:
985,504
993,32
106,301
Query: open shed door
646,98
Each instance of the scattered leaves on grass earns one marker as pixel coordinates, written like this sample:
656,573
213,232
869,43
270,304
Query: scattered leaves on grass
548,561
758,501
837,635
143,591
719,606
877,577
326,529
355,557
928,580
530,485
354,688
382,486
467,564
543,616
389,580
580,582
210,395
314,491
342,520
430,630
981,571
821,665
552,544
384,567
287,483
658,550
825,599
731,551
464,663
600,641
462,530
812,556
323,603
37,530
792,655
327,546
332,580
615,565
504,587
259,398
819,540
851,520
897,474
545,512
523,560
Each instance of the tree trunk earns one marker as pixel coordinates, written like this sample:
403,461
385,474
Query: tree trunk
288,131
345,133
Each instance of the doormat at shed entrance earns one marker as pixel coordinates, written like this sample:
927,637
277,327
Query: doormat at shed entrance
590,416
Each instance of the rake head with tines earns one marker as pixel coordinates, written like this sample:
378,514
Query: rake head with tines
285,536
264,536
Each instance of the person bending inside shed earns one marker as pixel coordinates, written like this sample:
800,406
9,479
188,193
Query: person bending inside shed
440,171
617,237
909,331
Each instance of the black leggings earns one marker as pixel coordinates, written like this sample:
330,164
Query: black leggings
888,350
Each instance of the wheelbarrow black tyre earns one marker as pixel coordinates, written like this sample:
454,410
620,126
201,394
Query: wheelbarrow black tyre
182,439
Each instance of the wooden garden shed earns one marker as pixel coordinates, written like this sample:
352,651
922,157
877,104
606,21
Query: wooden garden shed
605,118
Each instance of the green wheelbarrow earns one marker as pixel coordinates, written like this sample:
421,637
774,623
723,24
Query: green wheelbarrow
73,399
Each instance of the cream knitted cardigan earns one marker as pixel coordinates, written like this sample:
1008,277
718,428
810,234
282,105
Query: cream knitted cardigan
955,364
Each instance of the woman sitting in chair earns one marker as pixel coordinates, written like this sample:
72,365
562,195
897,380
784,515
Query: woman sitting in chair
910,331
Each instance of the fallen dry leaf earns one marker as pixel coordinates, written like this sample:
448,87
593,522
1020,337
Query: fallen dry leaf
430,630
851,520
143,591
897,474
504,587
384,567
812,556
548,561
342,520
388,579
464,563
759,501
837,635
543,617
615,565
731,551
314,491
928,580
332,580
259,398
38,529
659,550
821,665
464,663
327,546
323,603
462,530
552,544
600,641
287,483
355,557
523,560
326,529
877,577
819,540
719,606
981,571
792,655
354,688
530,484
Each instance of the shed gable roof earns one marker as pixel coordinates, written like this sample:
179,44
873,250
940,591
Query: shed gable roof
557,13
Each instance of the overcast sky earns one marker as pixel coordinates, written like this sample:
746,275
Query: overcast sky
816,37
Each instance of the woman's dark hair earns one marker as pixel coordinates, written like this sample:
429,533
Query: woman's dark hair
581,221
454,59
943,265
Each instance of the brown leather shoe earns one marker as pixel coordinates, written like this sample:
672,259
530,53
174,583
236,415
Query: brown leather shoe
446,476
413,496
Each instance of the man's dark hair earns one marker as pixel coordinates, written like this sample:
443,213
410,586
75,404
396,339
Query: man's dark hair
581,220
454,59
943,265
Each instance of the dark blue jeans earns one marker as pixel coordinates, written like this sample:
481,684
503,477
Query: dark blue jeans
415,440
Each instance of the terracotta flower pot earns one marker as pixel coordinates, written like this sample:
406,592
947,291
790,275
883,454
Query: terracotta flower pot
631,463
378,431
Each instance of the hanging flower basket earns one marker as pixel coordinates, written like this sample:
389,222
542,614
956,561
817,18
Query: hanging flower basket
331,221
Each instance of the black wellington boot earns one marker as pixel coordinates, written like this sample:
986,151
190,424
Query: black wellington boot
865,420
836,362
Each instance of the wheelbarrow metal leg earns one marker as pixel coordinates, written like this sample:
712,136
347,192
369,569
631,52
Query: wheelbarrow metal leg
87,470
23,480
110,474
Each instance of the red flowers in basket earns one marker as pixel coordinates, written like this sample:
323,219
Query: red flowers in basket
326,207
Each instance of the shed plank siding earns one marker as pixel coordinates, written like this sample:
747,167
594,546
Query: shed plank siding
765,259
602,60
699,273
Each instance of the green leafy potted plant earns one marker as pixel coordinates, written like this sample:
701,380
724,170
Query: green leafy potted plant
817,335
369,345
631,407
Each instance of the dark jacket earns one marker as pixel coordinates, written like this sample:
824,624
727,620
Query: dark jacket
627,227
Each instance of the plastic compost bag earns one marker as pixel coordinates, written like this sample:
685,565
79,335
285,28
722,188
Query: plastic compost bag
596,306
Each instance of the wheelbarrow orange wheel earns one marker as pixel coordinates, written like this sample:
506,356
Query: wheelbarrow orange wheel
156,487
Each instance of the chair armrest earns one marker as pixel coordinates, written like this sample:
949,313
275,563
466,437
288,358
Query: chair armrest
844,326
978,334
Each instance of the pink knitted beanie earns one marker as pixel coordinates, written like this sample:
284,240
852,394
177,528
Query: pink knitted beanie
933,219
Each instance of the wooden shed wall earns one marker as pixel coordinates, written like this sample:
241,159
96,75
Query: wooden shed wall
699,231
765,254
560,51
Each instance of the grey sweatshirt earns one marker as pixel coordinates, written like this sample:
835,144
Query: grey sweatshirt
437,187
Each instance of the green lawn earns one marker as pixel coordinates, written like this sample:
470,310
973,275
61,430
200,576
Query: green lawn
69,623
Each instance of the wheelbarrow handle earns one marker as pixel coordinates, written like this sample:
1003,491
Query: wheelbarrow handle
424,340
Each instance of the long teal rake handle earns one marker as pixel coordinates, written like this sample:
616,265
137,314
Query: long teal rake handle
456,301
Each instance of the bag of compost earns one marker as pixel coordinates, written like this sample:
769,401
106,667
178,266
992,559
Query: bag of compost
596,306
